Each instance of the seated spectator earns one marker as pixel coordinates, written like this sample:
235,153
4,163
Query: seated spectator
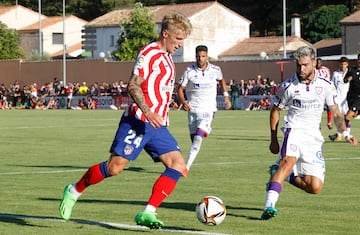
254,105
91,103
265,104
19,103
52,104
5,103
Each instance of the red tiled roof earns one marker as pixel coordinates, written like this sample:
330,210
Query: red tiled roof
327,42
353,18
188,9
255,45
5,9
48,21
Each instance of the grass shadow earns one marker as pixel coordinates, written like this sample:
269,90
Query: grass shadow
20,220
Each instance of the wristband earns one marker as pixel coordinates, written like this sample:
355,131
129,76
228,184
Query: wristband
226,93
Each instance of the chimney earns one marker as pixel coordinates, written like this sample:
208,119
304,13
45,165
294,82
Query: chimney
295,25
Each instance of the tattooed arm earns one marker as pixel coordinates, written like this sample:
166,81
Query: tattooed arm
134,90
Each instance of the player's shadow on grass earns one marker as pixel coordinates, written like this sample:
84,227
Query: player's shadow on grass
170,205
26,220
238,210
16,219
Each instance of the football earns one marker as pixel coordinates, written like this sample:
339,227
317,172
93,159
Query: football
211,210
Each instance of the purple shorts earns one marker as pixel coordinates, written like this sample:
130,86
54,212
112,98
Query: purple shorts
134,135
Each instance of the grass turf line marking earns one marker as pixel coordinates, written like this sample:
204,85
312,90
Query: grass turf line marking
106,224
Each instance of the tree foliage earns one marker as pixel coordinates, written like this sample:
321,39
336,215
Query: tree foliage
87,10
266,16
114,4
9,44
135,31
324,23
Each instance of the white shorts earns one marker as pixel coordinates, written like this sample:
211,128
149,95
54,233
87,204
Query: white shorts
306,146
342,104
201,120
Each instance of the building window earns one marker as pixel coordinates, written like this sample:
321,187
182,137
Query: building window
112,40
57,38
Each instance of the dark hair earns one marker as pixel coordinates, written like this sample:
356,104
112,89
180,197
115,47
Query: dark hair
344,59
201,48
359,56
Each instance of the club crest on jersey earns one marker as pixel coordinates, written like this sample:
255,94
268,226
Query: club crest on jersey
128,149
140,61
293,147
319,90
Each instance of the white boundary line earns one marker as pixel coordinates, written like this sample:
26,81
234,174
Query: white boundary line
108,224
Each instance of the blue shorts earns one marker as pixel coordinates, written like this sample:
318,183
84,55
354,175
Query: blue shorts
134,135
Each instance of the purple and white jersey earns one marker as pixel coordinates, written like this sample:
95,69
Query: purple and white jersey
201,87
305,102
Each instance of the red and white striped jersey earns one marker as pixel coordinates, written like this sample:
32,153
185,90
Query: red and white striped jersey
324,72
157,68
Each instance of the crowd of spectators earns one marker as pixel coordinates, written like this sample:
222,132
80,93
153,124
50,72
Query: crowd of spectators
35,96
259,86
43,97
253,86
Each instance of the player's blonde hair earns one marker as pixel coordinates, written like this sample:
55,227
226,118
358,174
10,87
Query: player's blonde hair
176,21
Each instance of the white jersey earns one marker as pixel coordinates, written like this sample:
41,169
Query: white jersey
305,102
201,87
342,89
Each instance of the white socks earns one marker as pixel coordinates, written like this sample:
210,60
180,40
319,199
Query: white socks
194,150
150,208
271,198
74,192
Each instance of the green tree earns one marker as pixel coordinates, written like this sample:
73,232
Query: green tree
9,44
135,31
114,4
87,10
324,23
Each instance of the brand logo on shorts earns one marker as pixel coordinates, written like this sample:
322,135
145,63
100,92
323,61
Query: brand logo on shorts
319,155
128,149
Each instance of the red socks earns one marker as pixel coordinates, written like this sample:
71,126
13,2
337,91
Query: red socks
329,117
93,175
161,189
164,186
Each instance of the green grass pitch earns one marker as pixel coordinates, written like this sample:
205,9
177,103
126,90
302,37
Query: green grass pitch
42,151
